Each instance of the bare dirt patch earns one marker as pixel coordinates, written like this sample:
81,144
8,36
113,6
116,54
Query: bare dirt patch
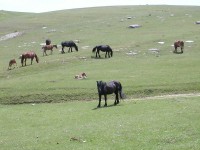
170,96
10,36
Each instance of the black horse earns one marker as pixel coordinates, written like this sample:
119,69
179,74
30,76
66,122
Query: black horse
109,88
103,48
48,41
69,44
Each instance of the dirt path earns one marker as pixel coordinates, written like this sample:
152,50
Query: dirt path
170,96
10,36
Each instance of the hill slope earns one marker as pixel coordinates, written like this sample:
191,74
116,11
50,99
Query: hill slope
142,72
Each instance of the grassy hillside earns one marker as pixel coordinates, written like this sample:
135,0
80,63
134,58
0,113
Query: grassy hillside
146,73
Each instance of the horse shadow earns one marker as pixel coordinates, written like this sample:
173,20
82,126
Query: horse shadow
93,57
178,52
103,107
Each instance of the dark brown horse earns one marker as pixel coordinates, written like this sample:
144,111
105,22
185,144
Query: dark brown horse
12,62
29,55
178,44
48,47
69,44
105,88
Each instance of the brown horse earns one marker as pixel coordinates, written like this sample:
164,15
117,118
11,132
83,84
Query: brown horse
178,44
12,62
48,47
28,55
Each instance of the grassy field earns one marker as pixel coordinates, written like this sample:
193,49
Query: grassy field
71,120
162,124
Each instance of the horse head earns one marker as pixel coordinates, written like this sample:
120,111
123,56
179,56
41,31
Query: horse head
100,86
94,49
76,47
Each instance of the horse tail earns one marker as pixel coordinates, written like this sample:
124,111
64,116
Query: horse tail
120,91
94,49
37,59
111,52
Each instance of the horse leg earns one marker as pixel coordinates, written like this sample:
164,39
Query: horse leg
45,52
116,98
181,49
31,61
105,96
22,62
99,101
63,50
175,51
106,55
96,54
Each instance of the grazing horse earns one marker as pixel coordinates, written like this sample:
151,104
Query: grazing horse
12,62
103,48
109,88
29,55
69,44
48,47
48,41
178,44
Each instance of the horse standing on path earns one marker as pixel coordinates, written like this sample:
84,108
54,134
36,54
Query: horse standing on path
12,62
69,44
178,44
29,55
103,48
109,88
48,47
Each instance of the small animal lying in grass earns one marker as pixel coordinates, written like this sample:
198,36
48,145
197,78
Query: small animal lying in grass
81,76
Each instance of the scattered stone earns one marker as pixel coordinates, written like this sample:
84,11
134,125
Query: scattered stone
134,26
154,50
189,41
161,42
197,22
131,53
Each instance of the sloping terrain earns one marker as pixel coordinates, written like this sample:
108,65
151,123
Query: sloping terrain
143,59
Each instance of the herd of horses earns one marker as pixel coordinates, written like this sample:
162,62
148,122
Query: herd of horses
104,88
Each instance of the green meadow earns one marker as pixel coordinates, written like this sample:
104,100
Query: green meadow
143,61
